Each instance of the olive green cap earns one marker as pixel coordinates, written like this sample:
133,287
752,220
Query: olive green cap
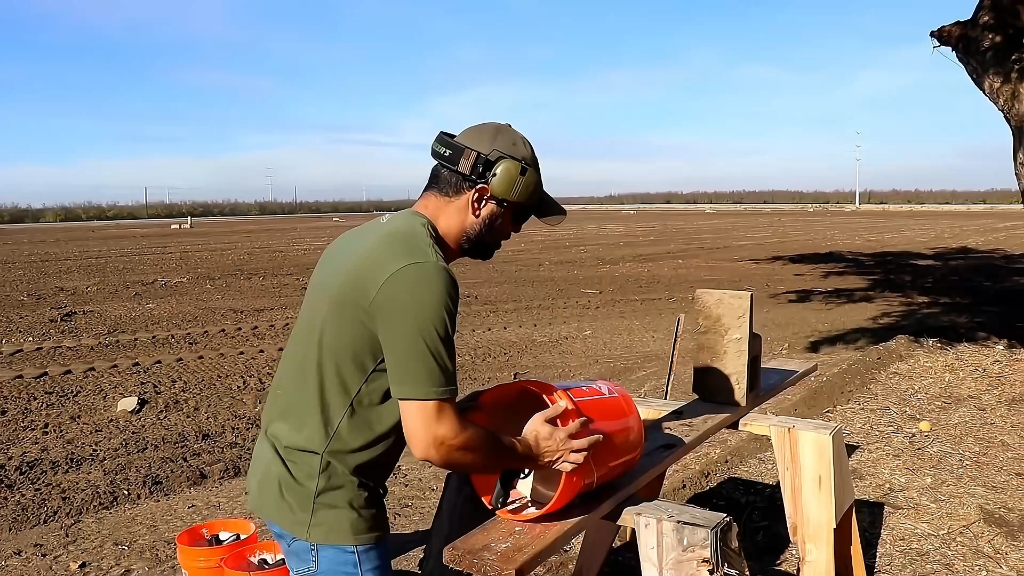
496,139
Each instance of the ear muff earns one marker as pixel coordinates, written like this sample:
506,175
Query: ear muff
513,181
508,178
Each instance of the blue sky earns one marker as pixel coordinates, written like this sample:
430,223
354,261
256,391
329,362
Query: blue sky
100,98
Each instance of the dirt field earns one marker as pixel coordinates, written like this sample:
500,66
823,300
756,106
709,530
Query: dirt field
193,321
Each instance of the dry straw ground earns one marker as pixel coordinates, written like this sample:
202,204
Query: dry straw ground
947,501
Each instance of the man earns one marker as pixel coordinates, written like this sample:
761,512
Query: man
370,363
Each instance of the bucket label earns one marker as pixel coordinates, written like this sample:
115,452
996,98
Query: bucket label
587,390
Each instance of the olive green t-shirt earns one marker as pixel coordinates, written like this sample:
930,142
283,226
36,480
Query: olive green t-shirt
377,323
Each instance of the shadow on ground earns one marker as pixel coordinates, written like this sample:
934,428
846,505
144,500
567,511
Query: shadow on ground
758,511
956,294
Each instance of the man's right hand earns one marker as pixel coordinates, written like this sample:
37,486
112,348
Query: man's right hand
551,445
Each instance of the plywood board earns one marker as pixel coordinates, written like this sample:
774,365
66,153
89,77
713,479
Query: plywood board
723,371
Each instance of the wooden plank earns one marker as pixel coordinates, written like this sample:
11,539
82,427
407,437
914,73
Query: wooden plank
675,538
838,465
849,555
668,548
724,362
650,491
501,546
774,370
761,424
654,408
597,542
671,510
842,479
673,356
817,491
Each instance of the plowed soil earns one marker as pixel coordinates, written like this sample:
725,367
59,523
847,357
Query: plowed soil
193,321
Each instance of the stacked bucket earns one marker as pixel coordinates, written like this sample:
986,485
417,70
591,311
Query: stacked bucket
228,547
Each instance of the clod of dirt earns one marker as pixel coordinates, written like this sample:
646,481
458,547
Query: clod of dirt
131,404
77,565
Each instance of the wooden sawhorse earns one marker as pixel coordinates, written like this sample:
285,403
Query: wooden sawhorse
729,381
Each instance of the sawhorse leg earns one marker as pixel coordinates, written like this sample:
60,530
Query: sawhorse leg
817,491
599,539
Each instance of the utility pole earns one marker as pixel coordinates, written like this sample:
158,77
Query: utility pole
167,195
295,196
145,198
857,193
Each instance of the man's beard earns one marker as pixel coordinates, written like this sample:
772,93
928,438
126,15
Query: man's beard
483,240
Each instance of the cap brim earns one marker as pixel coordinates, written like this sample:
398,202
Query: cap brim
548,210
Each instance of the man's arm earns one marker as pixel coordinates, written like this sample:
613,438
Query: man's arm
415,311
447,440
437,433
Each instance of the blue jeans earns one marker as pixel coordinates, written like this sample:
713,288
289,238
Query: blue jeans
304,557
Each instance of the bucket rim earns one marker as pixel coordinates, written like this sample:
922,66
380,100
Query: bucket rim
268,545
179,542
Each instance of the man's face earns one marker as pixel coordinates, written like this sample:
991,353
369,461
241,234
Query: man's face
493,226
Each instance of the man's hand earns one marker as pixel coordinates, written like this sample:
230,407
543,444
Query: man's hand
437,433
551,445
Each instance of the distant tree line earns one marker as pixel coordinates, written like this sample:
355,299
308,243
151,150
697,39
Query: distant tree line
917,196
86,212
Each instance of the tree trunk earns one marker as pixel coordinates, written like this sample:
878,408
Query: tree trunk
1018,156
990,45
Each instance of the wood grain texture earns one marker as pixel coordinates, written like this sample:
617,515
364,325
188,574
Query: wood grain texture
761,424
678,539
502,546
670,510
722,346
849,554
669,548
817,492
673,356
597,542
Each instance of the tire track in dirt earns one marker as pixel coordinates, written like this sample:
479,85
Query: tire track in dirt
130,362
85,351
69,452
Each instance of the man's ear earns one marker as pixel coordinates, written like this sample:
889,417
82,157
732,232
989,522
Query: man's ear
477,197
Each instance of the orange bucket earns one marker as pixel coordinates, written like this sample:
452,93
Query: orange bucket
246,561
506,408
197,556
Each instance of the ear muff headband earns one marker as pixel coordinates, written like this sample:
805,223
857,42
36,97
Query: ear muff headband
509,178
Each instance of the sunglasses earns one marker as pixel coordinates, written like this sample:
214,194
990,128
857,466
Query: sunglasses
520,214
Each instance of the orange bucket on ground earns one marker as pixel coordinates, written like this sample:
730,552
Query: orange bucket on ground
262,558
506,408
198,555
